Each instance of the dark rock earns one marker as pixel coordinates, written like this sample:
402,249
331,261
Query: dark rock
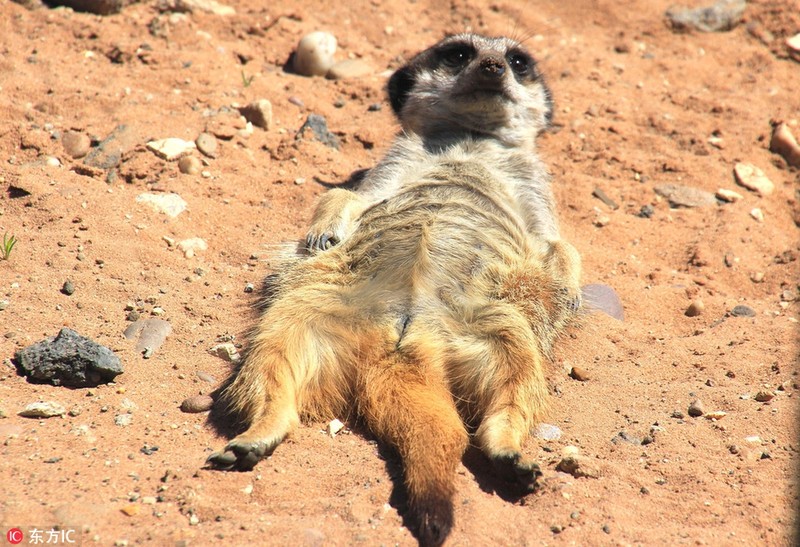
100,7
68,288
319,128
68,359
108,153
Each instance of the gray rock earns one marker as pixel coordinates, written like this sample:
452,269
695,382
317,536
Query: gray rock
319,129
68,288
108,153
68,359
151,333
685,196
602,298
724,15
743,311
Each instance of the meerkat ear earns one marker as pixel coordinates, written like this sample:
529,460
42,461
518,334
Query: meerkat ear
399,87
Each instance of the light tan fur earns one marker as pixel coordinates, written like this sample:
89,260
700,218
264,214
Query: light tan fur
432,296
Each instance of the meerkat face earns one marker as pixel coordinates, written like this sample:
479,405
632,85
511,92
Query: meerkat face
473,84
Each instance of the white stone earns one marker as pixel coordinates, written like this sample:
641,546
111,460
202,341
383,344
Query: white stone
191,246
728,195
226,351
757,214
170,204
753,178
334,427
171,148
314,54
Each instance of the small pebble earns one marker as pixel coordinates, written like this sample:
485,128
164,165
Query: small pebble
753,178
784,143
123,420
764,396
556,529
578,466
349,68
334,427
728,196
548,432
695,309
757,214
579,374
314,54
196,404
757,277
226,351
695,408
189,247
715,415
743,311
76,144
189,165
207,144
646,211
259,113
47,409
68,288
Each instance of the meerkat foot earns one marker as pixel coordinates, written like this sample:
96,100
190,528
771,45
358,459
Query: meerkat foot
511,467
240,455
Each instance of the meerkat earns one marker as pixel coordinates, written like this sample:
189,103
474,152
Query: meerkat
430,297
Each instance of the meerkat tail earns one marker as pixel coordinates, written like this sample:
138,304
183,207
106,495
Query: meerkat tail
406,405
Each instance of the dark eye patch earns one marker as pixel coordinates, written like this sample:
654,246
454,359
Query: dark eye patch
456,55
521,63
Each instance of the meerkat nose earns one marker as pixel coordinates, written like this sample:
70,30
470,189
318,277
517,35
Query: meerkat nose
492,68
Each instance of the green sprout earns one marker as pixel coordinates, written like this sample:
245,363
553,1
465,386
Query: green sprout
8,244
247,80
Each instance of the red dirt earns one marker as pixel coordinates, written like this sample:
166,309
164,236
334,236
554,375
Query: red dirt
635,107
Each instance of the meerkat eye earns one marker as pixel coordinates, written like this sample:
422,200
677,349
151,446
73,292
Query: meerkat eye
521,64
457,55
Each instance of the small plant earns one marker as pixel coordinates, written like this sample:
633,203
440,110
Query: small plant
247,80
8,245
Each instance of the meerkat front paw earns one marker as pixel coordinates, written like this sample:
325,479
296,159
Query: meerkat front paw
316,241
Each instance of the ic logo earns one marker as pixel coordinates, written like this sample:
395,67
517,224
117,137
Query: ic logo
15,536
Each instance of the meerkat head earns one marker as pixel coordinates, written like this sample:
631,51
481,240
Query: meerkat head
471,84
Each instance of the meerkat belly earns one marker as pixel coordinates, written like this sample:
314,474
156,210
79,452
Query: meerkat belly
433,244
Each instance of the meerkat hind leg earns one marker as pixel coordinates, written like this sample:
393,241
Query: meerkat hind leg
515,392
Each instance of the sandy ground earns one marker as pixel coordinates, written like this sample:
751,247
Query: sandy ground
637,106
